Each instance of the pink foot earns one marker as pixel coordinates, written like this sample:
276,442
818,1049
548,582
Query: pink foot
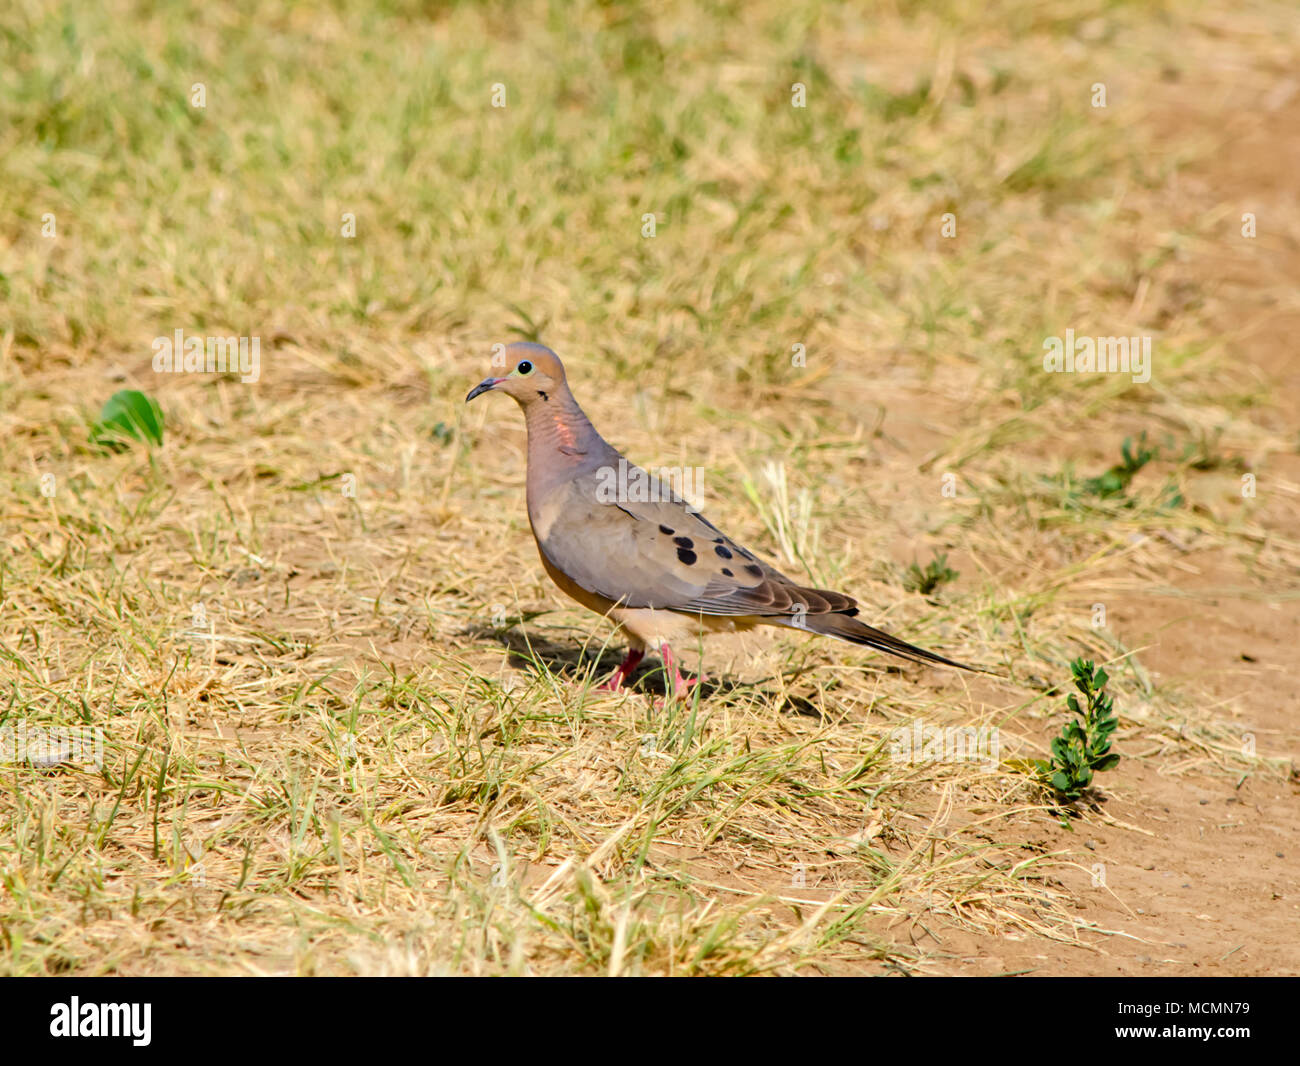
623,671
680,686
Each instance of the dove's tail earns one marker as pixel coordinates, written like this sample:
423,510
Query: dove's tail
846,627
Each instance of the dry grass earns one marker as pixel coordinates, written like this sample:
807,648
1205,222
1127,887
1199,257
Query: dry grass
376,748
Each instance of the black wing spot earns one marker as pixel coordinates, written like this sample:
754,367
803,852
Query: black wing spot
666,531
757,571
727,572
722,552
687,556
684,542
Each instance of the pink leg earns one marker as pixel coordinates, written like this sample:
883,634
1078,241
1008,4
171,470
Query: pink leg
623,671
680,686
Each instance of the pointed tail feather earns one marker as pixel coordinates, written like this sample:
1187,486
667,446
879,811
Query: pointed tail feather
845,627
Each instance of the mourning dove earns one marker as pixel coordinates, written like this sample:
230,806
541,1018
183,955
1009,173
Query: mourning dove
625,545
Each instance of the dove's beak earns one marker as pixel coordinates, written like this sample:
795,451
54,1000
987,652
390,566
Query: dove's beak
486,385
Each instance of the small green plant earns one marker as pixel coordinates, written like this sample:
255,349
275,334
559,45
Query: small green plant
128,415
926,580
1115,481
1112,486
1083,746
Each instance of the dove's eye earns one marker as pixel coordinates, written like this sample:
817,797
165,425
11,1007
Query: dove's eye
525,368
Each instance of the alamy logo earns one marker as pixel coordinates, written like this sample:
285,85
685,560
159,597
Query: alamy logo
102,1019
46,746
179,354
630,484
1099,355
927,743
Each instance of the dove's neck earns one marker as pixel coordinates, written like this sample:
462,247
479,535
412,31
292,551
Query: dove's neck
562,442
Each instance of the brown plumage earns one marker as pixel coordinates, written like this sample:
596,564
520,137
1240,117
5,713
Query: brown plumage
625,545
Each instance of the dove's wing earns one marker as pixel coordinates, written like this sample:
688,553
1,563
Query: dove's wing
658,552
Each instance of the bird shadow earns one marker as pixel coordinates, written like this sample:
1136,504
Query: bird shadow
576,663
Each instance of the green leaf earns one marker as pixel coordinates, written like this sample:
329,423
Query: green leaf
128,415
1083,745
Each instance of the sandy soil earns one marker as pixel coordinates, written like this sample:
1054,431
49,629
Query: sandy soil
1203,876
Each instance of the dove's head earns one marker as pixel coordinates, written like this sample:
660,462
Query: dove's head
532,374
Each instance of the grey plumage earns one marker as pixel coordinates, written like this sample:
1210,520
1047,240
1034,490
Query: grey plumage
646,559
